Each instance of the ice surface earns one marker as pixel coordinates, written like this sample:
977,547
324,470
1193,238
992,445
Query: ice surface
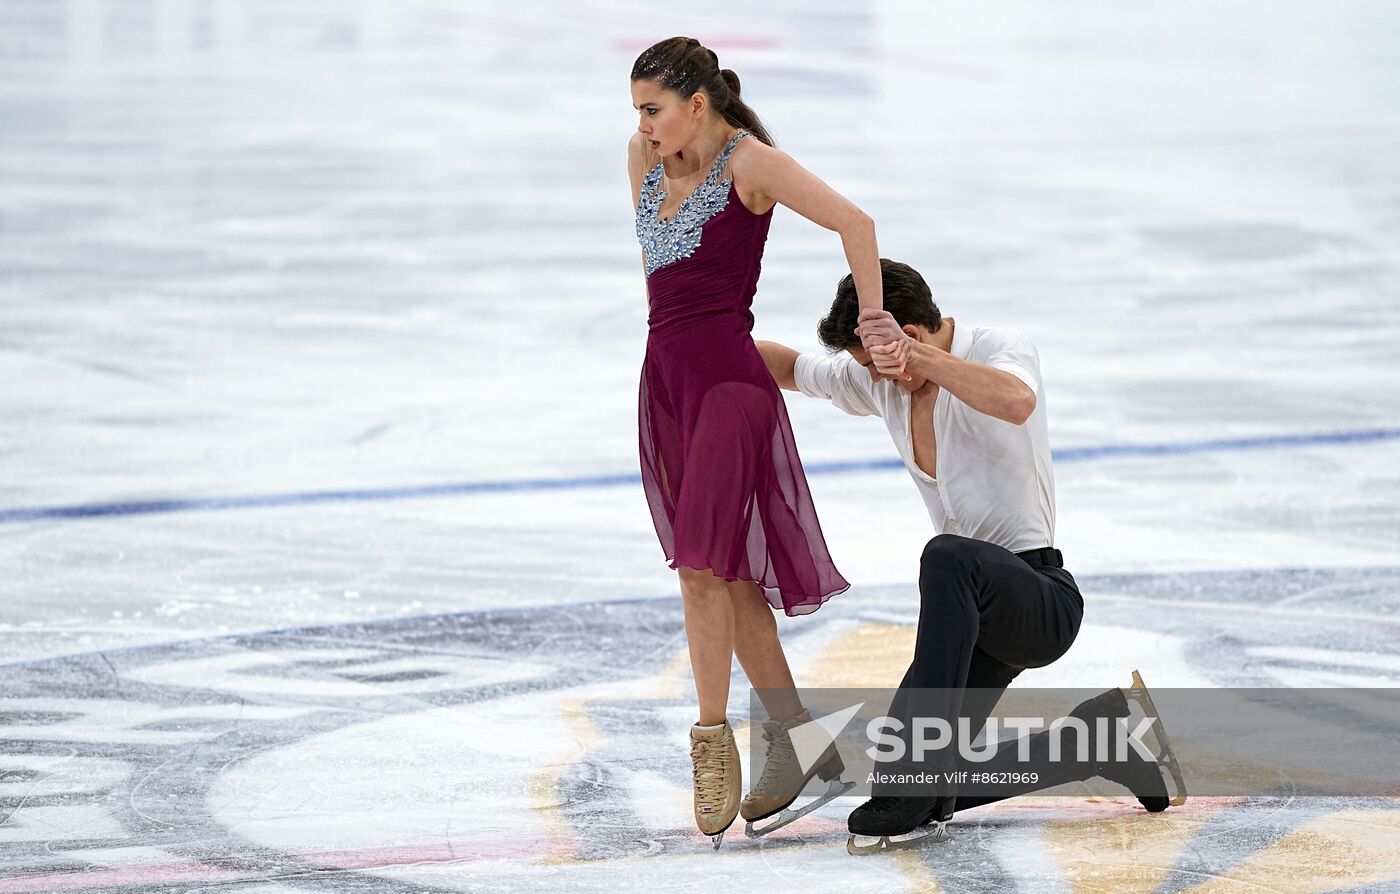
253,248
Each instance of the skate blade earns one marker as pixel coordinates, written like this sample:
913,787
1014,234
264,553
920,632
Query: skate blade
865,845
787,815
717,838
1138,693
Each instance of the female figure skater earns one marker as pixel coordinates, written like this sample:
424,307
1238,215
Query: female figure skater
719,465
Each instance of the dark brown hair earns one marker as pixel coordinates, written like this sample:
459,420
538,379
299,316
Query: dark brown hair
685,67
907,297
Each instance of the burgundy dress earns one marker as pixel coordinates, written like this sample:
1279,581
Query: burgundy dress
720,468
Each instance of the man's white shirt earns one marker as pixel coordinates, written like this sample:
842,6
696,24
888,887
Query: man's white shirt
995,481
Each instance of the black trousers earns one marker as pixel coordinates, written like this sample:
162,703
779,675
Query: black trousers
985,615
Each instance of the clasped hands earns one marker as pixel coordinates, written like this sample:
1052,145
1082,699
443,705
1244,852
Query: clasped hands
889,346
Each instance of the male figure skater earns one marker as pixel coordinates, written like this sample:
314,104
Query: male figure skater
966,410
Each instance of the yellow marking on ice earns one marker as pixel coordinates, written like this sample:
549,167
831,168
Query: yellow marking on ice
869,655
543,790
670,682
1119,853
914,865
1347,849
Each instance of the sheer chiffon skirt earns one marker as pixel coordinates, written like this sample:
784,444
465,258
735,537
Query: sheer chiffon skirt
725,484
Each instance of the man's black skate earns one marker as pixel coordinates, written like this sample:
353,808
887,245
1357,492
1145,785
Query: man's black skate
1166,758
1141,776
884,818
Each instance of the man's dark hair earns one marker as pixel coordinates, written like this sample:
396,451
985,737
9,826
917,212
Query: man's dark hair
907,297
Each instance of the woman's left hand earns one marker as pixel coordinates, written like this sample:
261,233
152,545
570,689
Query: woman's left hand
878,327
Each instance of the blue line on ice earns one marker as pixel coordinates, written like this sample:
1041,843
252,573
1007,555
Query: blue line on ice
375,494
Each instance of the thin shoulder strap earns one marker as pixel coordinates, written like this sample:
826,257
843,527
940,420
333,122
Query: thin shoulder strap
723,158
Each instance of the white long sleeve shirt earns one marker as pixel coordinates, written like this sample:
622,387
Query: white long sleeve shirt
995,481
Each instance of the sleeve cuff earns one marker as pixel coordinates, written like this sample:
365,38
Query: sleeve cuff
804,375
1019,372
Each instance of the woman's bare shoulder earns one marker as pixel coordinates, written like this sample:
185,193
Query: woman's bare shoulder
753,156
753,166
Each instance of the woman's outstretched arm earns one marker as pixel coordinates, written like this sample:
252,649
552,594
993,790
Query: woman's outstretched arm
773,174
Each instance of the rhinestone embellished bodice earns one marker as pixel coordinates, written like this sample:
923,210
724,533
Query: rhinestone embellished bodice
692,282
667,241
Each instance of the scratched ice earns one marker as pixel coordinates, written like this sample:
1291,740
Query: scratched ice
347,297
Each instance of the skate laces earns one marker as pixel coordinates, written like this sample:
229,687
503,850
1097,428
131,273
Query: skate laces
780,756
881,804
711,771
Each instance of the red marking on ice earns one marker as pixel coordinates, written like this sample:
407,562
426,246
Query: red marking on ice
357,859
441,852
158,874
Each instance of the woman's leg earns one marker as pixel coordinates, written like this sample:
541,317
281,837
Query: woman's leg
709,630
760,652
